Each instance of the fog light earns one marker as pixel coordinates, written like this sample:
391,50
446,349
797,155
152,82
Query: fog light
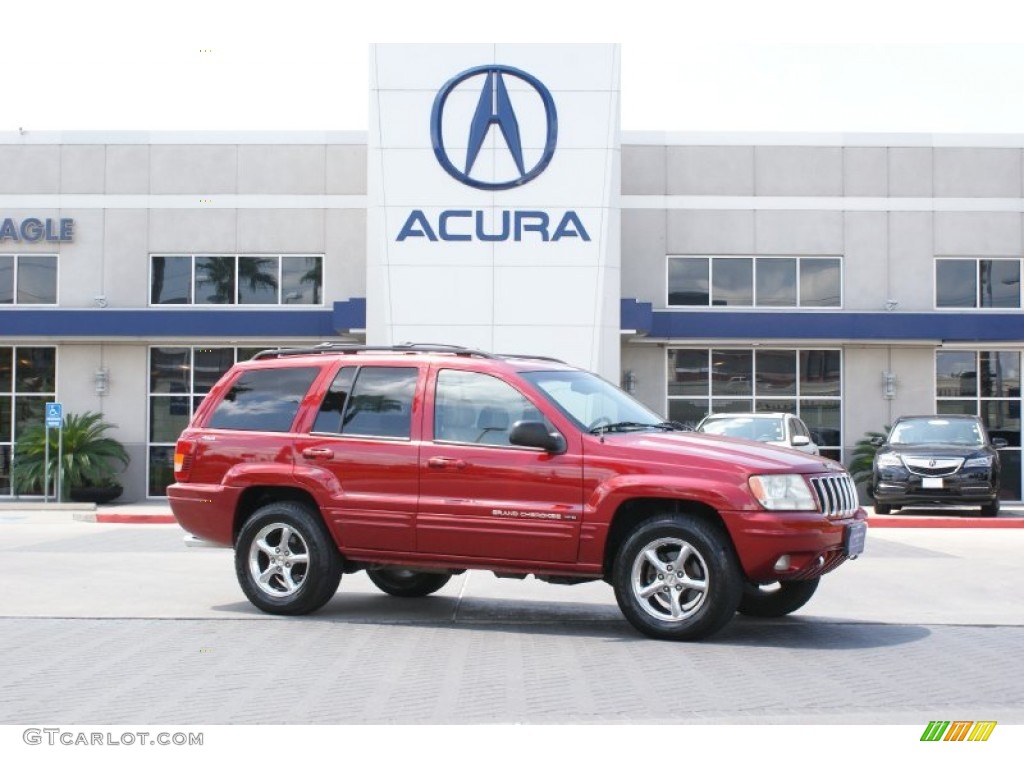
782,564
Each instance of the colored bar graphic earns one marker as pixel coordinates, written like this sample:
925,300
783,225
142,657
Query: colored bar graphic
982,730
958,730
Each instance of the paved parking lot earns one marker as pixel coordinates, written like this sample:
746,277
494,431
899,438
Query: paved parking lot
122,624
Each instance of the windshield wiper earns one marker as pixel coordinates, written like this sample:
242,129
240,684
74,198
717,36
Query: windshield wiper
622,426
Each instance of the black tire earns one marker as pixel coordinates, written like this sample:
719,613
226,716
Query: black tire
712,586
883,509
990,510
308,566
769,601
401,582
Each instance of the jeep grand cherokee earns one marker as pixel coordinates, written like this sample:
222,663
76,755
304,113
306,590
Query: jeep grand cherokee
418,462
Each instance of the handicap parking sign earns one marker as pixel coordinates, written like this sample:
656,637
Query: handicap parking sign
54,414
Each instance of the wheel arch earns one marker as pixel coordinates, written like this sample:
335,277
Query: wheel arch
256,497
633,512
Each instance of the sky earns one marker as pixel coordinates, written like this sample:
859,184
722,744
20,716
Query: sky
716,65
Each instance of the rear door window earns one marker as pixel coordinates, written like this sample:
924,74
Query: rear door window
373,401
263,400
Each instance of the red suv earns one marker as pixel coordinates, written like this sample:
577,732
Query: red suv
419,462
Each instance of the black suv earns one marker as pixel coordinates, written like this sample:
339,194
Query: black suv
937,460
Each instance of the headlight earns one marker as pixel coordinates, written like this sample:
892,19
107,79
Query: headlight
782,492
978,461
888,460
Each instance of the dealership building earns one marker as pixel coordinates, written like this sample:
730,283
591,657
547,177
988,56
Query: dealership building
494,202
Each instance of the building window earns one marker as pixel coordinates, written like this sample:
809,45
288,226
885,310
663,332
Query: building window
747,281
28,380
28,279
806,382
250,279
985,383
179,378
977,283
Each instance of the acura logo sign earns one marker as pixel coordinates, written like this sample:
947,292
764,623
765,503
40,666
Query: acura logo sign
529,147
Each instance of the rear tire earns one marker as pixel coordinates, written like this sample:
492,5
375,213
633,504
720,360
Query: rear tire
769,601
401,582
883,509
656,599
285,561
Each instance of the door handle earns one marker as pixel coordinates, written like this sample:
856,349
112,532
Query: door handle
442,462
318,453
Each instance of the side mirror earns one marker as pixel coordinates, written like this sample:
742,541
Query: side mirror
800,440
999,442
877,441
534,434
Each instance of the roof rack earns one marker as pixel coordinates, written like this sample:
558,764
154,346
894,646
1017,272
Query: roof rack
332,347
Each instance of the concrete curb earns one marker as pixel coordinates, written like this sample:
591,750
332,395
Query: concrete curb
876,521
123,517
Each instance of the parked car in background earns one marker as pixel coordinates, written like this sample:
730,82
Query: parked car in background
783,429
937,460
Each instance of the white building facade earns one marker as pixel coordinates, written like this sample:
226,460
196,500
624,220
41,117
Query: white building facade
494,203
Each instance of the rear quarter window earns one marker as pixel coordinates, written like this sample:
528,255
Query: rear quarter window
263,400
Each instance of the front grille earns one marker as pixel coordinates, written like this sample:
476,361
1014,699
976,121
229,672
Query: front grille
837,495
932,466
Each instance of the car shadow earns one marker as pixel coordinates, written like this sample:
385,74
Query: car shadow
595,621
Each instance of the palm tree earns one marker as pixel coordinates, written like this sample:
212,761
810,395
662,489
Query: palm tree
315,275
90,458
254,271
862,465
219,273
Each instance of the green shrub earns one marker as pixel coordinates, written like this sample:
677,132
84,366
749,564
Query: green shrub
90,458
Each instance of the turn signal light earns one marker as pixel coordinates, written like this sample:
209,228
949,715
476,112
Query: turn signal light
183,452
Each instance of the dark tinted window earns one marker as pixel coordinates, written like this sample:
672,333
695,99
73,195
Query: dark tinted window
820,283
263,400
776,282
171,280
333,406
381,403
688,282
732,282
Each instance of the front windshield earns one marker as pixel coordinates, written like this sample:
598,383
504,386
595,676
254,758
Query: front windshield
937,431
590,401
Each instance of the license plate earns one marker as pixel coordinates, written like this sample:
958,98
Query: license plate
931,482
853,539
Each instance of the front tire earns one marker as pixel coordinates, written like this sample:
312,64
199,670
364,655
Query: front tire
990,510
676,578
401,582
285,561
769,601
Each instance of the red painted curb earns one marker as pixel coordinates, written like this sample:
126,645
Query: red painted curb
107,517
942,522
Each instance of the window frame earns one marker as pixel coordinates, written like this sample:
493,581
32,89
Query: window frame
977,261
798,397
754,305
15,272
281,258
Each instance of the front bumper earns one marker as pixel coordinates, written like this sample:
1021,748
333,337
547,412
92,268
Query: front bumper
791,546
954,490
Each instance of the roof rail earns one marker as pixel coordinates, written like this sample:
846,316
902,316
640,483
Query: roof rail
514,356
331,347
